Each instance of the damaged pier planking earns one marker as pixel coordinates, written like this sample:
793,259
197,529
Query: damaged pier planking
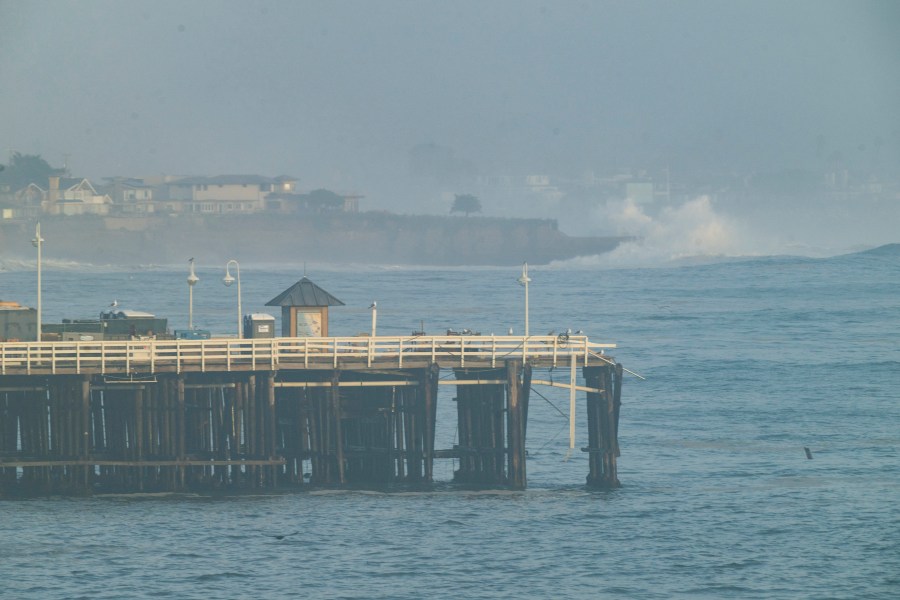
283,419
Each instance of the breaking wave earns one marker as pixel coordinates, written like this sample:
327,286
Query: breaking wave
689,232
15,265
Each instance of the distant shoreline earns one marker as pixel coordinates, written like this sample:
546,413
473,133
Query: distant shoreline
362,238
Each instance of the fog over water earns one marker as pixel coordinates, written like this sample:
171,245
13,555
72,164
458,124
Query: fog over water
726,106
759,446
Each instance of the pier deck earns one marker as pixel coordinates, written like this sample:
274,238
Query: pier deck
230,354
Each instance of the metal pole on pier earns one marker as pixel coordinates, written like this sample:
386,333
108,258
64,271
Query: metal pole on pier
37,242
228,280
524,280
192,281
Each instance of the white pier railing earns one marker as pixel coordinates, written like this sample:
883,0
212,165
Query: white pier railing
228,354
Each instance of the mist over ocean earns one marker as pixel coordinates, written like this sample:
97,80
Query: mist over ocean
747,362
752,147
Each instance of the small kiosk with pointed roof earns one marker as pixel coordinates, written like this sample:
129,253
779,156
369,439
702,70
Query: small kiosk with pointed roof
304,309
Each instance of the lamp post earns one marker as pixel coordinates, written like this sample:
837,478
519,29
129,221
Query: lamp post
228,280
37,242
524,280
192,281
374,308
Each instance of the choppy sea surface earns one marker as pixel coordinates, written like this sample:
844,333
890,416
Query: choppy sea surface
747,362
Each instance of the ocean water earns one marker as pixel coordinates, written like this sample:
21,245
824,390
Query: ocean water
747,362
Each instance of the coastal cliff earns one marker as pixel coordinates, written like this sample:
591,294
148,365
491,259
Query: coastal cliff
369,238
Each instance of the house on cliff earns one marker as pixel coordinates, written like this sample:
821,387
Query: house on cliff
142,197
23,204
68,196
131,196
316,202
226,193
64,196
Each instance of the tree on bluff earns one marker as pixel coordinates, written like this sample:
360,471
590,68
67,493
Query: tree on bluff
325,199
466,203
24,169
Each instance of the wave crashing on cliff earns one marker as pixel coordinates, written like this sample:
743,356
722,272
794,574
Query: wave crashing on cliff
690,231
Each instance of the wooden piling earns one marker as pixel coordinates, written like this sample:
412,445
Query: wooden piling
337,424
272,427
603,424
429,387
482,426
515,426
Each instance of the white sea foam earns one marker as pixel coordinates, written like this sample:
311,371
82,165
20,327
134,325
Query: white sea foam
689,231
702,231
18,265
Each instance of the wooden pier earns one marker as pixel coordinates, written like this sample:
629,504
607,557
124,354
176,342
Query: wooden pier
168,415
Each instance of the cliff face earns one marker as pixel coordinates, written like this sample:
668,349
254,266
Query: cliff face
375,238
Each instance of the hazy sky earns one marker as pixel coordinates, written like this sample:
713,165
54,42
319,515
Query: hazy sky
337,93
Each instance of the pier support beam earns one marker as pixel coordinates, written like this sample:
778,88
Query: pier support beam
492,407
338,426
603,424
515,426
429,389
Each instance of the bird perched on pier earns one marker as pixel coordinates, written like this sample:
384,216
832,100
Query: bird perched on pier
374,304
114,304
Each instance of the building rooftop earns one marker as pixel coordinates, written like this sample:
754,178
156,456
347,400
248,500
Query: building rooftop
304,293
